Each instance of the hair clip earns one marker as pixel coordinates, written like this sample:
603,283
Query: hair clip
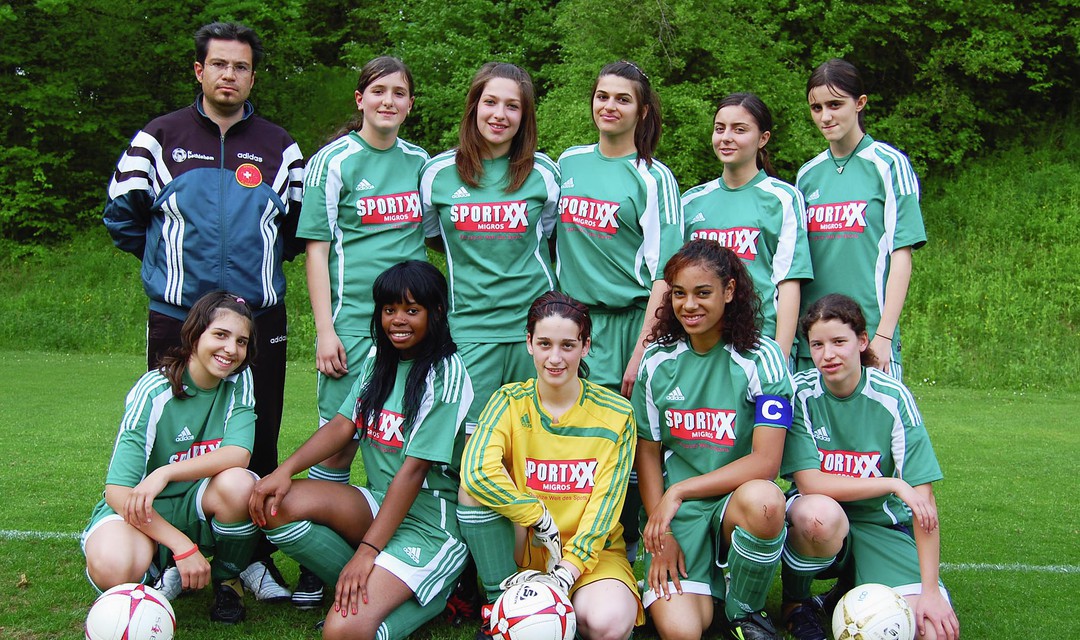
637,68
240,300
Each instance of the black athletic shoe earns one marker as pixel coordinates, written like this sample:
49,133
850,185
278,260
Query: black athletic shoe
802,623
755,626
228,601
824,603
308,592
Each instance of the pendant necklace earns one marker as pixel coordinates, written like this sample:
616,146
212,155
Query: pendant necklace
840,167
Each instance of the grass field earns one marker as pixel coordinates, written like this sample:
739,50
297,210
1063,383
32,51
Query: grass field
1010,525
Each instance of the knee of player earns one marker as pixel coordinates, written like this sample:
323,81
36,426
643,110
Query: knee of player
351,627
762,504
605,623
232,488
817,520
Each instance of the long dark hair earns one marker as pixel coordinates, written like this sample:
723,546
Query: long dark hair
836,306
649,125
423,283
175,361
375,68
470,156
741,325
839,75
558,304
761,115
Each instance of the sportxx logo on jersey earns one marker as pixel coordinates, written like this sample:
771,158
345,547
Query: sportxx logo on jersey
840,216
851,463
248,175
196,449
598,215
741,240
391,209
560,476
388,430
711,425
506,217
185,435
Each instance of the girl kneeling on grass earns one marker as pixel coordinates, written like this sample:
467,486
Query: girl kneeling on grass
560,421
177,483
858,444
391,547
713,403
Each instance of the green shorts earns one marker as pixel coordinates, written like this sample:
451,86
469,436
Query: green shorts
490,366
614,336
427,558
698,526
330,391
881,554
183,512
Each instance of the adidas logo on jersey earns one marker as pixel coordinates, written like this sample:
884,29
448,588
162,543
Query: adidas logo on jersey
569,184
412,552
462,192
700,217
185,435
676,395
813,196
822,434
364,185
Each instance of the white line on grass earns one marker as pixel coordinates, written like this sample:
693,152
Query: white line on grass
12,534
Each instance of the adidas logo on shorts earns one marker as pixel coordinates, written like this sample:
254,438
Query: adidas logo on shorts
462,192
364,185
700,217
676,395
822,434
185,435
569,184
412,552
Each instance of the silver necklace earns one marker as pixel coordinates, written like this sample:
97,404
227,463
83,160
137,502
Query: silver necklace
840,167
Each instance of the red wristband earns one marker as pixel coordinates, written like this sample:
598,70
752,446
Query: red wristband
187,554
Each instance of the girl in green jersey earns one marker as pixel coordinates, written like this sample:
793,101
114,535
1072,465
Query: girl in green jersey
391,548
858,452
177,483
750,211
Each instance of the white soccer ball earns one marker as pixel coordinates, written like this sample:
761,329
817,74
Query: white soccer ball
131,612
873,612
532,611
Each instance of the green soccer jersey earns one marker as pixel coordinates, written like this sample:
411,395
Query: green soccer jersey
364,202
875,432
436,434
704,407
159,429
496,243
762,221
620,221
855,219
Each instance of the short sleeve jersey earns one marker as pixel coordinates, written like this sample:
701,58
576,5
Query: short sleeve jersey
703,407
875,432
764,222
578,467
620,221
159,429
496,249
855,219
364,202
436,434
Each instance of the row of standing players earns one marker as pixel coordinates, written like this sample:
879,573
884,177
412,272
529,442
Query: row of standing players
620,221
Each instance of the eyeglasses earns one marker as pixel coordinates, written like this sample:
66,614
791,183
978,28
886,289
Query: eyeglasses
219,67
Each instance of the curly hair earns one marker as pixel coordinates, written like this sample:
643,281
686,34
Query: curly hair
741,323
837,306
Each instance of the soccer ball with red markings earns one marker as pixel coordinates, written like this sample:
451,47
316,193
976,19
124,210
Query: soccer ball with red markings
131,612
873,612
532,611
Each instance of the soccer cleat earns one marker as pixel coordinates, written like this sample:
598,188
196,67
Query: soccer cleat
228,601
484,633
169,583
824,603
755,626
462,605
264,580
803,623
308,592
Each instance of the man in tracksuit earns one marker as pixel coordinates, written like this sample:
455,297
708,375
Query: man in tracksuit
208,197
